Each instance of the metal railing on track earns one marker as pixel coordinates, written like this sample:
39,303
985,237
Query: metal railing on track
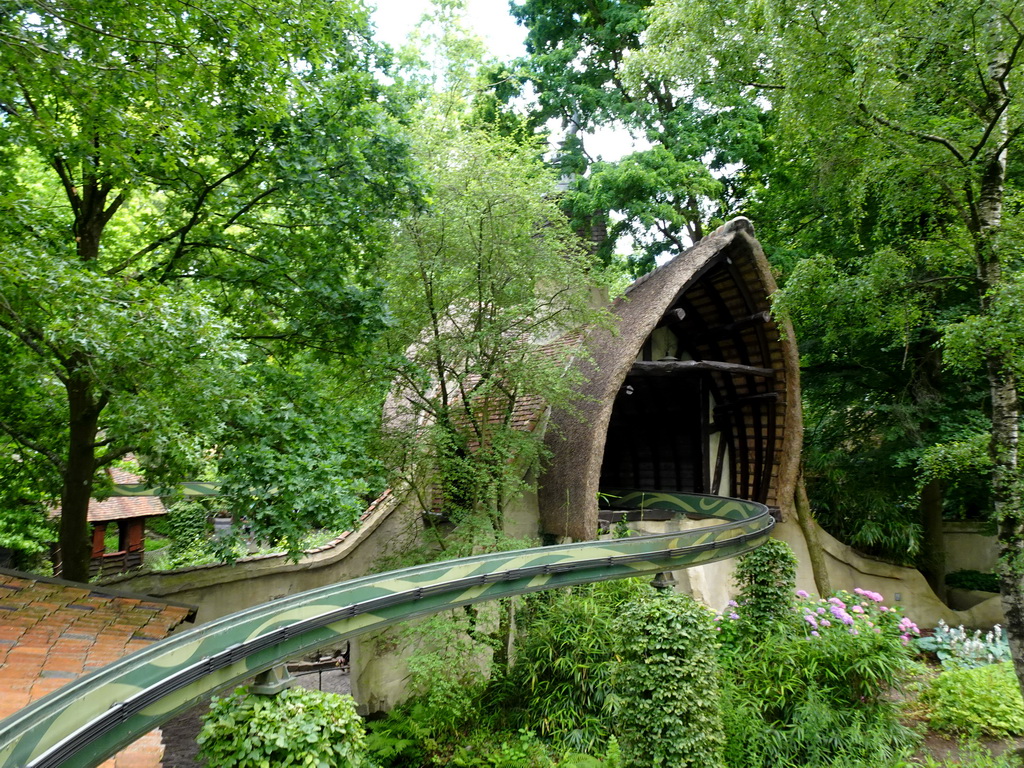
90,719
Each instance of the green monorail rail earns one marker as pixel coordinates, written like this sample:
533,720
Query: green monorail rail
90,719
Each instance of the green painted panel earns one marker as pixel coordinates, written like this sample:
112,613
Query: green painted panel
90,719
182,489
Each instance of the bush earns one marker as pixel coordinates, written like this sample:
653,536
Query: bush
766,578
667,683
814,693
526,751
560,683
976,580
979,701
296,727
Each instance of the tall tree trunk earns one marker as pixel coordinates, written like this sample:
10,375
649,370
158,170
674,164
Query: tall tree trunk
933,556
1002,384
75,544
814,550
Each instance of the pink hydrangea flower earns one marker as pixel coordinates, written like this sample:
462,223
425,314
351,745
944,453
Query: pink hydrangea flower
873,596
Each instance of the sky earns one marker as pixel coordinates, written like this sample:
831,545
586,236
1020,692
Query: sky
490,19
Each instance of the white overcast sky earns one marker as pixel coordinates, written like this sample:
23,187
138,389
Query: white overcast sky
490,19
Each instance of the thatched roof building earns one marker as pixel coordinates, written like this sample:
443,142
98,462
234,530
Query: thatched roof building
695,391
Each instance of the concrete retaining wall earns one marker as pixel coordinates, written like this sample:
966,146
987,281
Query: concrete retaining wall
901,586
217,590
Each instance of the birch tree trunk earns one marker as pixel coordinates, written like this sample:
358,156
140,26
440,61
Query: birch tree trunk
1002,382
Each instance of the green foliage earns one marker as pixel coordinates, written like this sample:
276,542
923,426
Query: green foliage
667,683
892,185
971,754
819,686
560,682
175,228
188,526
526,751
766,578
666,195
980,700
396,740
480,279
970,579
816,733
956,648
447,672
296,727
282,493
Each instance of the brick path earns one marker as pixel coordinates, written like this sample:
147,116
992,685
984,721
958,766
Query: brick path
52,632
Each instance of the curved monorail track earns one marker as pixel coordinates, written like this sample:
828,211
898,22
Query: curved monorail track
90,719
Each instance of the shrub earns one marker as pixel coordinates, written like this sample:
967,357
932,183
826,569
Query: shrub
296,727
667,683
817,687
766,578
447,672
815,733
981,700
523,751
977,580
560,682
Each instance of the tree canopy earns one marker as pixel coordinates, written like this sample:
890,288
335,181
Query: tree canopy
895,132
486,284
666,192
192,198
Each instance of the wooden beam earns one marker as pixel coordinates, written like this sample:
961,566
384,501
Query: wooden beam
675,367
767,397
728,329
673,316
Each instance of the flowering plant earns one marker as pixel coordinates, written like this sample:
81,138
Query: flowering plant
815,680
850,646
854,614
958,648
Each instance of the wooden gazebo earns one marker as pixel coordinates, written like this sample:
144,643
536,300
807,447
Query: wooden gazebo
129,515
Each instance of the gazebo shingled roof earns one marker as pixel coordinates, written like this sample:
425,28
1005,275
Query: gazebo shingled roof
124,507
715,299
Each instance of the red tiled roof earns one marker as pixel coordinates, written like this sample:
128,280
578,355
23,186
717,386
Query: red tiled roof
122,507
52,632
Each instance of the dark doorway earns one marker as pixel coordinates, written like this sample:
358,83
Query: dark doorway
657,435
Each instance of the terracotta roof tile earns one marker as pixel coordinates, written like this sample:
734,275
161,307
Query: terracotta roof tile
52,632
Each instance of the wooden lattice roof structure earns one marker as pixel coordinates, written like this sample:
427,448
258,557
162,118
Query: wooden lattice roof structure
645,422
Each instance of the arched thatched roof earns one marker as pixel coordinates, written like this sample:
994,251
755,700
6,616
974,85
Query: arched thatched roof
713,300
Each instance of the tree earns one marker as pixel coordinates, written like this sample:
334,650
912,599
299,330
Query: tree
188,190
912,104
485,284
663,195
